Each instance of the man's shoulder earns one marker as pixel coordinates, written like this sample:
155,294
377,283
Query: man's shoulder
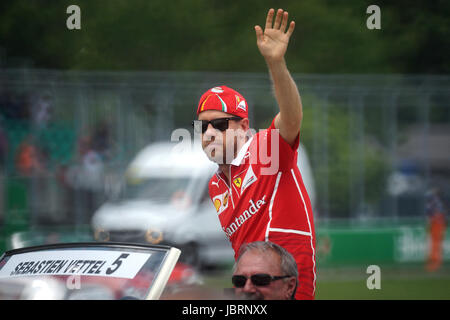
214,185
214,179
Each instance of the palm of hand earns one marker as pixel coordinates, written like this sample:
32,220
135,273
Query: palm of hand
273,42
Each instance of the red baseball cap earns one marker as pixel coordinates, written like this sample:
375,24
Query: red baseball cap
223,99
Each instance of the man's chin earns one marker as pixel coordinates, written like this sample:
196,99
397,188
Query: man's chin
250,296
215,159
214,155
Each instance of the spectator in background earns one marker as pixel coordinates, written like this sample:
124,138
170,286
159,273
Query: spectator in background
30,159
31,162
101,140
32,155
437,223
40,110
85,179
265,271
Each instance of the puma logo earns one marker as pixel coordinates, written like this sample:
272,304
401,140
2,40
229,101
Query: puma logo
216,183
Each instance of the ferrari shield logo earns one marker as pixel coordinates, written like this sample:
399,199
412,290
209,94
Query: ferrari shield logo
237,182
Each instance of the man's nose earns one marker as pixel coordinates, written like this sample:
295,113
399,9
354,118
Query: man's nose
211,130
249,287
211,133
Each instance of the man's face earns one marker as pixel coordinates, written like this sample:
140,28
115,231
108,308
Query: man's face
257,262
222,146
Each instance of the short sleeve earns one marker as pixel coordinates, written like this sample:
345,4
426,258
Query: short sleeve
296,142
274,153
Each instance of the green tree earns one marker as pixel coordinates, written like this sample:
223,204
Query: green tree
212,35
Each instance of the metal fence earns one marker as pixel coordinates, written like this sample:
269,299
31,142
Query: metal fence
376,143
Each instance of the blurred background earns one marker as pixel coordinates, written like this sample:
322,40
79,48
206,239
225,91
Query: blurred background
77,106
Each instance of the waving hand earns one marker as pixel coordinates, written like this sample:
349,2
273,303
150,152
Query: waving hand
273,41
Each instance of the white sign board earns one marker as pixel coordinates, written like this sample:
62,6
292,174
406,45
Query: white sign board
119,264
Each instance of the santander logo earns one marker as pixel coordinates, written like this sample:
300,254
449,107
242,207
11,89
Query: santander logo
247,214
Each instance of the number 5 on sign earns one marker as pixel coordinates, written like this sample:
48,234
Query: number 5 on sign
117,263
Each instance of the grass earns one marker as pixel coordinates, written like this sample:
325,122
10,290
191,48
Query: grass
397,283
404,289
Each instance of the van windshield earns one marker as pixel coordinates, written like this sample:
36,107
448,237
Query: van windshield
160,190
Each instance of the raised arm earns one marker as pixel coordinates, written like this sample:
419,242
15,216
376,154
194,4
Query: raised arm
273,43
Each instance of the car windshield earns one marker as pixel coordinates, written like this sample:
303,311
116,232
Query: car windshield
83,271
160,190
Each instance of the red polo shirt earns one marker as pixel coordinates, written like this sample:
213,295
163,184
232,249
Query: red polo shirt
267,201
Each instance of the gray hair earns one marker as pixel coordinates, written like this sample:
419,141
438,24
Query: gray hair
288,265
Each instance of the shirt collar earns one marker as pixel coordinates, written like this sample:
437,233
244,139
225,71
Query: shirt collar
241,154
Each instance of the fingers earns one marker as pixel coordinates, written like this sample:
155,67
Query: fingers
259,33
291,28
269,18
281,21
278,19
284,21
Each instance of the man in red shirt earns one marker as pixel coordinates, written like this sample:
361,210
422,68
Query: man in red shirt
258,191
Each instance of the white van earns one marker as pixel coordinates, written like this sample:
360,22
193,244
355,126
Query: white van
165,200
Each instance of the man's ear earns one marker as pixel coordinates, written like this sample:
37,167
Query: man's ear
244,124
291,286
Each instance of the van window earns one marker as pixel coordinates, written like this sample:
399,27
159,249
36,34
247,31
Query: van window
160,190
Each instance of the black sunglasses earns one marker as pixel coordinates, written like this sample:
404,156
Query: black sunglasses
219,124
260,279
